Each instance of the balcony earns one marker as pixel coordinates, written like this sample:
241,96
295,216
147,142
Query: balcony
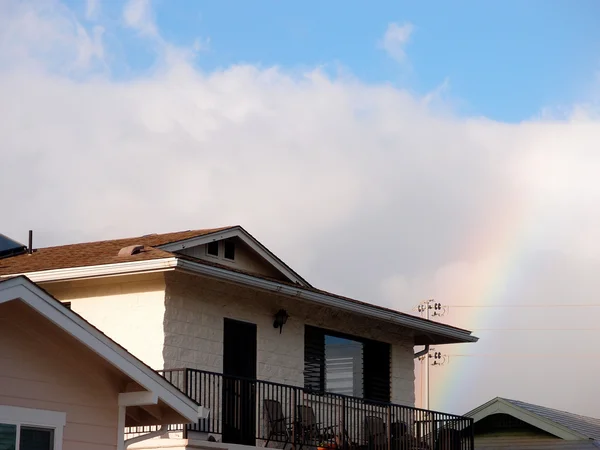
265,414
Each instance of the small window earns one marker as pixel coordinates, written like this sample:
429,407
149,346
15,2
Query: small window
229,250
212,248
18,433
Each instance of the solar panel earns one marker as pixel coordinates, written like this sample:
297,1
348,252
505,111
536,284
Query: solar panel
9,247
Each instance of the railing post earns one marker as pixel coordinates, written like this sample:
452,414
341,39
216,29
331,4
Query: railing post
389,427
343,424
185,390
294,420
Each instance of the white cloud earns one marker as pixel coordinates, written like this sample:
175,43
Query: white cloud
92,9
395,40
138,15
360,187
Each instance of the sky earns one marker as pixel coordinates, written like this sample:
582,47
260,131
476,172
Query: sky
391,151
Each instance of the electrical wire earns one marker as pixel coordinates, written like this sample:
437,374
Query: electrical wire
534,329
581,305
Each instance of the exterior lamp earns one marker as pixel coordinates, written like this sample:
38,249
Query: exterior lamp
281,318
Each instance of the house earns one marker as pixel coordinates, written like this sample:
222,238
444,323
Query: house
241,332
64,385
503,423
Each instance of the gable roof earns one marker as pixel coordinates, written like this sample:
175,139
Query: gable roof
22,289
562,424
101,258
156,246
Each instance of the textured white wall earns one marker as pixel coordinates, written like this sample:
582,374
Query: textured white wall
128,309
196,306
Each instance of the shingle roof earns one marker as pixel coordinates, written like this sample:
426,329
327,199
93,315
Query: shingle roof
587,426
96,253
106,252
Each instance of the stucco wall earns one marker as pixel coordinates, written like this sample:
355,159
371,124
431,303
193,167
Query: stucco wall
36,374
193,327
128,309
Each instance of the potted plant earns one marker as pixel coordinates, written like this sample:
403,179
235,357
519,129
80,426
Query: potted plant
327,445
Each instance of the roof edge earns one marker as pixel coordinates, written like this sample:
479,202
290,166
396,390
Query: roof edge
23,289
416,323
251,241
452,334
535,420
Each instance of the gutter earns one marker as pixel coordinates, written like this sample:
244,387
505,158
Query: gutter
422,352
103,270
172,263
317,297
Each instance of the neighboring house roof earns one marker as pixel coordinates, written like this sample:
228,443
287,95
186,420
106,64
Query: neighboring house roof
22,289
101,258
562,424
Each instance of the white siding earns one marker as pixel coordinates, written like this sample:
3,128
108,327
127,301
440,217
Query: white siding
129,310
196,306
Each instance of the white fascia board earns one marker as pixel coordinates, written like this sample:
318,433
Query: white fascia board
23,289
501,406
242,234
335,302
102,270
143,398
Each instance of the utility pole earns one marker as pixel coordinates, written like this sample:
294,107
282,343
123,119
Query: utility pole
438,310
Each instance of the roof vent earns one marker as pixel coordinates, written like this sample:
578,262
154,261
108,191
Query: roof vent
131,250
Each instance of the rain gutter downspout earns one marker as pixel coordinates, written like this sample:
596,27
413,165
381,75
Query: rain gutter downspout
422,352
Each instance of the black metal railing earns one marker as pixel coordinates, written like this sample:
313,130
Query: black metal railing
262,413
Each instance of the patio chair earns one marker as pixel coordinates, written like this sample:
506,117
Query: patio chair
278,427
448,439
310,430
375,433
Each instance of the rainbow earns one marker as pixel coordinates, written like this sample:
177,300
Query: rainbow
496,258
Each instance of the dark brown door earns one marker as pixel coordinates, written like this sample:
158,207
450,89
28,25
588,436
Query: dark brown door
239,387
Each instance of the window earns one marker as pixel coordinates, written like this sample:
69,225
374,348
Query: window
347,365
212,248
30,429
343,366
229,250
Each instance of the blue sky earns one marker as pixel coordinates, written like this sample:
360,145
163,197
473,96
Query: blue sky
504,60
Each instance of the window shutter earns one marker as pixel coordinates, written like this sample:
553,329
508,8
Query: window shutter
376,371
314,359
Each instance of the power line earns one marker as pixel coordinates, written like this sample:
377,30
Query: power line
581,305
534,329
522,355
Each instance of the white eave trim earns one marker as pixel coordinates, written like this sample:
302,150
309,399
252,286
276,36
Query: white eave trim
20,288
103,270
242,234
165,264
328,300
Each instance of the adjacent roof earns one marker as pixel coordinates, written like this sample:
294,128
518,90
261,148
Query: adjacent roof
562,424
22,289
101,259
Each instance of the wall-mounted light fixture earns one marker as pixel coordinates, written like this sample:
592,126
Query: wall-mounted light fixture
281,318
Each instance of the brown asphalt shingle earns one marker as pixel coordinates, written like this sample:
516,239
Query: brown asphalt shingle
95,253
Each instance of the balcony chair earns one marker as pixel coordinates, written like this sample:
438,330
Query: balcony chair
311,431
278,427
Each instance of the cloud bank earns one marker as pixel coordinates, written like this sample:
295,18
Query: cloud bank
364,189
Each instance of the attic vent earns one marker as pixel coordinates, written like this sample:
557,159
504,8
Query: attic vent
131,250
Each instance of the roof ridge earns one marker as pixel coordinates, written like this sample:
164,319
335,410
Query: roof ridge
149,235
550,408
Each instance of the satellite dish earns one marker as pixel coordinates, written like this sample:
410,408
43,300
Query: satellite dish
9,247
